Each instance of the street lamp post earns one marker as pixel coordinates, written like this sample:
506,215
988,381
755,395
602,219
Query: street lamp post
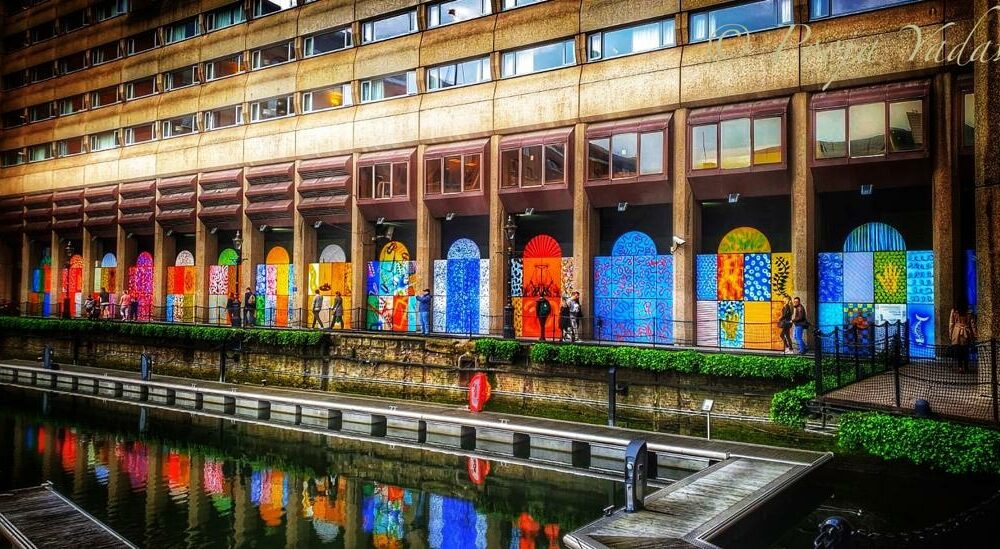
510,230
238,246
66,265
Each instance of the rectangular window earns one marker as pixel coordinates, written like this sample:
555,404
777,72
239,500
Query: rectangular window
105,53
15,42
42,32
73,63
389,27
13,119
182,125
181,30
225,16
140,134
144,41
69,147
458,74
37,153
445,13
224,117
326,42
267,7
539,58
511,4
223,67
906,125
867,123
968,120
42,111
104,141
43,71
276,107
704,147
651,153
12,158
831,134
72,104
735,143
819,9
453,174
739,19
767,140
180,78
140,88
327,98
634,39
73,21
387,87
273,55
624,155
383,181
110,8
598,158
533,166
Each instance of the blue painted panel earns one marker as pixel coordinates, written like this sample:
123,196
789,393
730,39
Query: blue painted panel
707,277
874,237
633,243
971,292
757,277
920,277
623,277
921,337
645,280
602,277
831,277
859,277
602,318
731,318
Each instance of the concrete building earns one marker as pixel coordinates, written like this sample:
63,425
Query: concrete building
378,147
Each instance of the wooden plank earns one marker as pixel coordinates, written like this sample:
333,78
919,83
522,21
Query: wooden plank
41,517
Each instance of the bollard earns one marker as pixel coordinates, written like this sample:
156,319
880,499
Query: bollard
614,389
834,533
47,358
636,458
145,367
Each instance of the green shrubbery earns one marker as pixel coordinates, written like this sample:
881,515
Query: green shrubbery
950,447
788,407
497,349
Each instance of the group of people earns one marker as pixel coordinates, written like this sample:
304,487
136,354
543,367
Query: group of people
793,317
100,306
242,314
570,313
336,310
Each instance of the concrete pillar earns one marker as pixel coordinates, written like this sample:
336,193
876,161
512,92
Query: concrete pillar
297,528
586,226
687,225
156,490
55,273
499,262
89,253
303,253
125,253
164,254
987,162
252,253
944,199
803,207
206,252
362,251
26,264
428,232
7,266
245,517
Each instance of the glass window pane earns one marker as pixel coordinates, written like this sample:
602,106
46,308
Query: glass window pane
383,181
906,125
453,174
632,39
651,153
555,164
624,153
735,139
472,169
457,10
767,140
396,25
841,7
748,17
968,120
327,98
867,130
509,167
831,134
400,182
327,42
531,166
704,148
539,58
432,176
366,182
598,158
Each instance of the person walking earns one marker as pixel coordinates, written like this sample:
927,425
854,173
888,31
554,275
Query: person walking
425,311
105,303
133,308
542,311
249,307
89,307
962,333
233,307
575,315
564,318
317,310
125,303
801,323
785,325
337,311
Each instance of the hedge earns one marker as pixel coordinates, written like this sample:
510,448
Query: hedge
788,406
212,334
950,447
497,349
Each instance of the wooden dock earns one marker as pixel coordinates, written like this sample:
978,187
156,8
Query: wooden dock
41,517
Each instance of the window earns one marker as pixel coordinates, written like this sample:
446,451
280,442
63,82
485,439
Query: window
818,9
144,41
181,30
43,71
110,8
539,58
325,42
453,174
387,87
625,155
224,117
275,107
73,63
42,32
104,141
384,181
273,55
12,119
140,88
511,4
704,147
182,125
69,147
104,96
738,142
735,143
767,140
867,123
14,80
445,13
140,134
906,125
15,42
42,111
105,53
968,120
225,16
458,74
72,104
180,78
226,66
389,27
634,39
37,153
327,98
73,21
266,7
533,165
831,134
739,18
12,157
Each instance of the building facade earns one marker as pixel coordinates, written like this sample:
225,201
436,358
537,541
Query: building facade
685,166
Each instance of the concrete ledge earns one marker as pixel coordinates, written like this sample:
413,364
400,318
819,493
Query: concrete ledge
86,385
253,408
406,429
568,452
449,434
321,417
66,382
109,388
503,442
186,399
134,391
45,379
218,403
161,395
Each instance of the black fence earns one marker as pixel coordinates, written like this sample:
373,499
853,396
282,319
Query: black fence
876,368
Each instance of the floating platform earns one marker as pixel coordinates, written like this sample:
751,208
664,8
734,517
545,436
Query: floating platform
42,517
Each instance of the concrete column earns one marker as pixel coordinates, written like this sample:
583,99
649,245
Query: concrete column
362,251
803,206
89,254
252,253
26,263
586,227
245,517
944,202
687,225
55,273
428,232
164,254
499,264
206,252
125,253
156,489
7,266
303,253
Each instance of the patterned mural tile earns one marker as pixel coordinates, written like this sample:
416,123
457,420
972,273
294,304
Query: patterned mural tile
602,277
730,277
731,323
664,325
890,277
921,337
644,281
622,277
602,318
517,277
859,285
757,325
707,317
706,277
665,278
518,315
757,277
484,296
831,277
776,343
831,315
920,277
782,276
568,279
633,243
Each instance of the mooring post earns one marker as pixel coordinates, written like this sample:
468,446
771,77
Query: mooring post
612,394
145,367
993,379
222,363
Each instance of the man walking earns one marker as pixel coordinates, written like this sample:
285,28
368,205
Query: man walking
317,309
337,311
105,303
801,324
249,308
575,314
425,311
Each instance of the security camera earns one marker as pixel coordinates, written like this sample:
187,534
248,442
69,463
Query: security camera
678,242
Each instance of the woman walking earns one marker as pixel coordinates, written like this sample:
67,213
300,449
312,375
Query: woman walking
785,324
125,303
962,332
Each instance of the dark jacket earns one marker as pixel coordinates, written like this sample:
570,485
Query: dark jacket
338,305
425,302
799,316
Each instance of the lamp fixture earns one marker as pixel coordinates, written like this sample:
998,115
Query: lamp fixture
449,216
264,228
622,206
734,198
510,230
317,224
170,232
529,211
129,235
867,189
380,221
238,242
213,230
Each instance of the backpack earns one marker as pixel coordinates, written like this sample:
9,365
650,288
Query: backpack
544,308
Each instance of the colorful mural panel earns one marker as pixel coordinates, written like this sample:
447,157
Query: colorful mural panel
71,281
140,285
633,292
222,283
459,283
180,288
40,296
391,287
104,277
544,273
328,277
275,289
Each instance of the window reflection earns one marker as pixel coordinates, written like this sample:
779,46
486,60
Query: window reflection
906,125
767,140
531,166
831,134
867,130
704,148
968,120
651,153
624,155
598,159
735,143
